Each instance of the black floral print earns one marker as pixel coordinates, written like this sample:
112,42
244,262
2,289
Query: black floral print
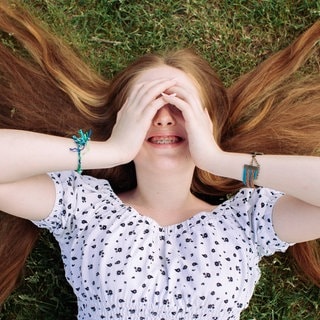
123,265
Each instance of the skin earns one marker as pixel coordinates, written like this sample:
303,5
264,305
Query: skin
163,102
167,168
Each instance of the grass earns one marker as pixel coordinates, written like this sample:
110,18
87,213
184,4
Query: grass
233,36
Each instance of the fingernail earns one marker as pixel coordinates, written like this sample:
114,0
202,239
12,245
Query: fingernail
168,95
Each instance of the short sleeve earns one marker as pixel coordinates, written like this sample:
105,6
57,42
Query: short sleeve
255,210
76,198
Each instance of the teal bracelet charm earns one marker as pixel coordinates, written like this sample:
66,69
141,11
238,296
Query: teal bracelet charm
251,171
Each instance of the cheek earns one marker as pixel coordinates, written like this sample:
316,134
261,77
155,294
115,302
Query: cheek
142,154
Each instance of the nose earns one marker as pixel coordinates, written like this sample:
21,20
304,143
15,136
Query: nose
164,117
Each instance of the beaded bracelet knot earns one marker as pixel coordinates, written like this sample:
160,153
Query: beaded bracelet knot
251,171
81,143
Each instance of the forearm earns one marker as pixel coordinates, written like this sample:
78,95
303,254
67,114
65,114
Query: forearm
26,154
298,176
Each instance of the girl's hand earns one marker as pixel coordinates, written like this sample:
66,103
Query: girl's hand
135,117
203,147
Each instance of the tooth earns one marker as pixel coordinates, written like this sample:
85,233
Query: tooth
164,140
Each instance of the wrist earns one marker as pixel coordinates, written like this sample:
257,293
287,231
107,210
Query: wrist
230,164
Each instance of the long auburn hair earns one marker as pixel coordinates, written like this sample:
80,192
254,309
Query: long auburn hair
50,89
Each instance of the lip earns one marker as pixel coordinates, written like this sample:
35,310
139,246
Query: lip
165,140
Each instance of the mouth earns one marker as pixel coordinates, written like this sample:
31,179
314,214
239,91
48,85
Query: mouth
165,140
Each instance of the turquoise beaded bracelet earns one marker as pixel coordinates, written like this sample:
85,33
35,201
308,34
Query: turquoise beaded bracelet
81,143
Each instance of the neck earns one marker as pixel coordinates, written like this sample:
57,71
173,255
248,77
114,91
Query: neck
164,196
164,190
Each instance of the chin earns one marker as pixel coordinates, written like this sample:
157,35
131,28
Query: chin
166,163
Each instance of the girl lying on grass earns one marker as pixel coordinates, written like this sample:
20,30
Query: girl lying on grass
141,231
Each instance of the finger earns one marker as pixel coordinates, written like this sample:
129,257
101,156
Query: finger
209,120
179,103
192,115
192,101
153,107
170,95
153,90
147,92
141,89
